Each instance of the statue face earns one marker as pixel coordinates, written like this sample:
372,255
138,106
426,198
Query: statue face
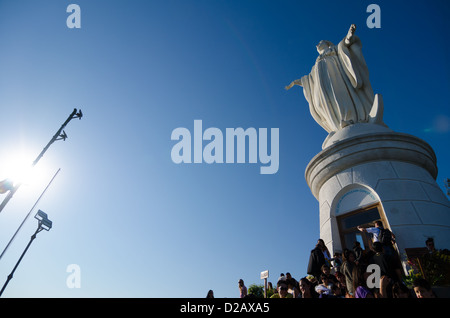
322,46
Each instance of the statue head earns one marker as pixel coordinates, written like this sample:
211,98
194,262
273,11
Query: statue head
323,45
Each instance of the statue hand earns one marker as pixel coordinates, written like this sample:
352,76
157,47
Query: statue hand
352,29
296,82
350,33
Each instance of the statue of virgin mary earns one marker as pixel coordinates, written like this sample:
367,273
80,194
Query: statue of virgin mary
338,89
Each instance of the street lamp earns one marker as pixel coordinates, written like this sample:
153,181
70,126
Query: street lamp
43,221
6,185
43,224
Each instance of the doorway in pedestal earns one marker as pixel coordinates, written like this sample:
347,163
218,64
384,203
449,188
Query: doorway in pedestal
349,222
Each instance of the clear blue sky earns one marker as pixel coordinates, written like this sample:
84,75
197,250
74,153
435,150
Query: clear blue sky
139,225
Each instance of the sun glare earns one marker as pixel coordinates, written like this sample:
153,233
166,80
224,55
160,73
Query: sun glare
18,168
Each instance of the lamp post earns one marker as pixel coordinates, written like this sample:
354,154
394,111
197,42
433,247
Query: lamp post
43,224
6,185
28,215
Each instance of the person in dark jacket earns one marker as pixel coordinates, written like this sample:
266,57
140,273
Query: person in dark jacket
316,260
358,251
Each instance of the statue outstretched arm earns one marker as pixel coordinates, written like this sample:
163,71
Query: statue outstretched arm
348,38
296,82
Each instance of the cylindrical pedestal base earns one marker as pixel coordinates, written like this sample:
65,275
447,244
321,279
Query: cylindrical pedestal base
391,172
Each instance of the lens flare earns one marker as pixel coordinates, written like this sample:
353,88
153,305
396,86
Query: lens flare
18,168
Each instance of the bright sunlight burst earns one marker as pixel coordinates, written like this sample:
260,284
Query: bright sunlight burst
17,166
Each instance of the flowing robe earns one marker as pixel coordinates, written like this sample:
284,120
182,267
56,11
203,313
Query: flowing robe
338,89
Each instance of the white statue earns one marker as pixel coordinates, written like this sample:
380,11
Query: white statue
338,89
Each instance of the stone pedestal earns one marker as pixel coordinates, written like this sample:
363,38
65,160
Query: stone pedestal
366,165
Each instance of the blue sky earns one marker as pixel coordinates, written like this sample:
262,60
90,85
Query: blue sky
139,225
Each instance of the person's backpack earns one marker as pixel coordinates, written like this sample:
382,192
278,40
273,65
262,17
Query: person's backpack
385,237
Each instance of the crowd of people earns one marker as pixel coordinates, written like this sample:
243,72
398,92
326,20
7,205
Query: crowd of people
347,274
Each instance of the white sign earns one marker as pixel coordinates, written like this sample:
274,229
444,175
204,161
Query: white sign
264,274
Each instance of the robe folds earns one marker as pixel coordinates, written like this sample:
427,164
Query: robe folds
338,89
